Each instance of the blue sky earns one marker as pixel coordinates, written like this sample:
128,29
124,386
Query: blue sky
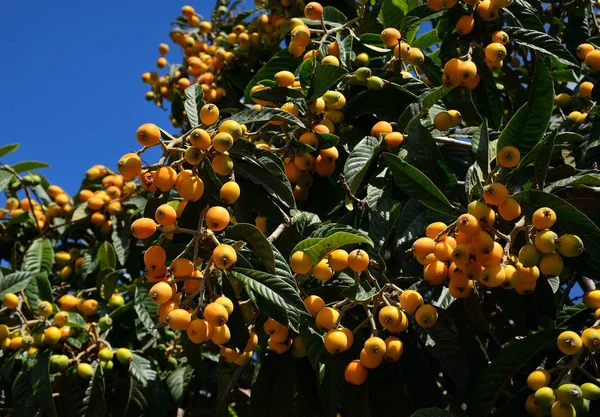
71,79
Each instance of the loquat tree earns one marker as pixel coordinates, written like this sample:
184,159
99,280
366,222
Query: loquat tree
372,208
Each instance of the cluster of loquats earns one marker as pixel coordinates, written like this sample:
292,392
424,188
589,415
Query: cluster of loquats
208,53
57,328
43,213
469,250
487,10
103,196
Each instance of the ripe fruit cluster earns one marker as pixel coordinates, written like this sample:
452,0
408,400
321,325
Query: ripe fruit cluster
207,53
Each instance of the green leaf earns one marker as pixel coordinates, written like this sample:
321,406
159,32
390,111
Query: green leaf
416,185
432,412
392,13
480,145
194,100
273,295
106,282
28,166
80,212
325,77
178,382
94,404
317,248
359,160
266,115
512,359
42,388
76,320
39,257
305,74
146,309
141,369
277,94
543,157
235,322
583,179
426,40
327,140
38,289
333,15
543,43
273,387
260,245
450,353
526,15
15,282
529,123
282,61
486,100
5,179
107,257
8,149
229,375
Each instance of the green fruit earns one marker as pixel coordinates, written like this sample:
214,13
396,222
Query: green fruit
172,363
362,74
85,371
569,393
59,362
124,356
169,334
362,60
162,347
544,397
590,391
105,354
105,323
27,341
331,97
115,301
529,255
374,83
546,241
107,365
570,245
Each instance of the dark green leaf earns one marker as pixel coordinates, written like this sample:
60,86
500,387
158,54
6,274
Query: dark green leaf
274,296
178,382
392,13
333,15
94,404
509,362
107,257
106,282
273,388
480,145
416,185
277,94
359,160
42,388
39,257
543,43
543,157
529,123
38,289
5,179
146,309
324,78
15,282
526,15
260,245
194,100
432,412
141,369
486,99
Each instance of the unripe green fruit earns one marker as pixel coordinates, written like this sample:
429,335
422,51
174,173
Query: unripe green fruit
172,363
546,241
44,309
85,371
331,97
124,356
59,362
107,366
374,83
529,255
362,74
27,341
115,301
590,391
569,393
581,408
544,397
105,354
570,245
105,323
169,334
362,60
